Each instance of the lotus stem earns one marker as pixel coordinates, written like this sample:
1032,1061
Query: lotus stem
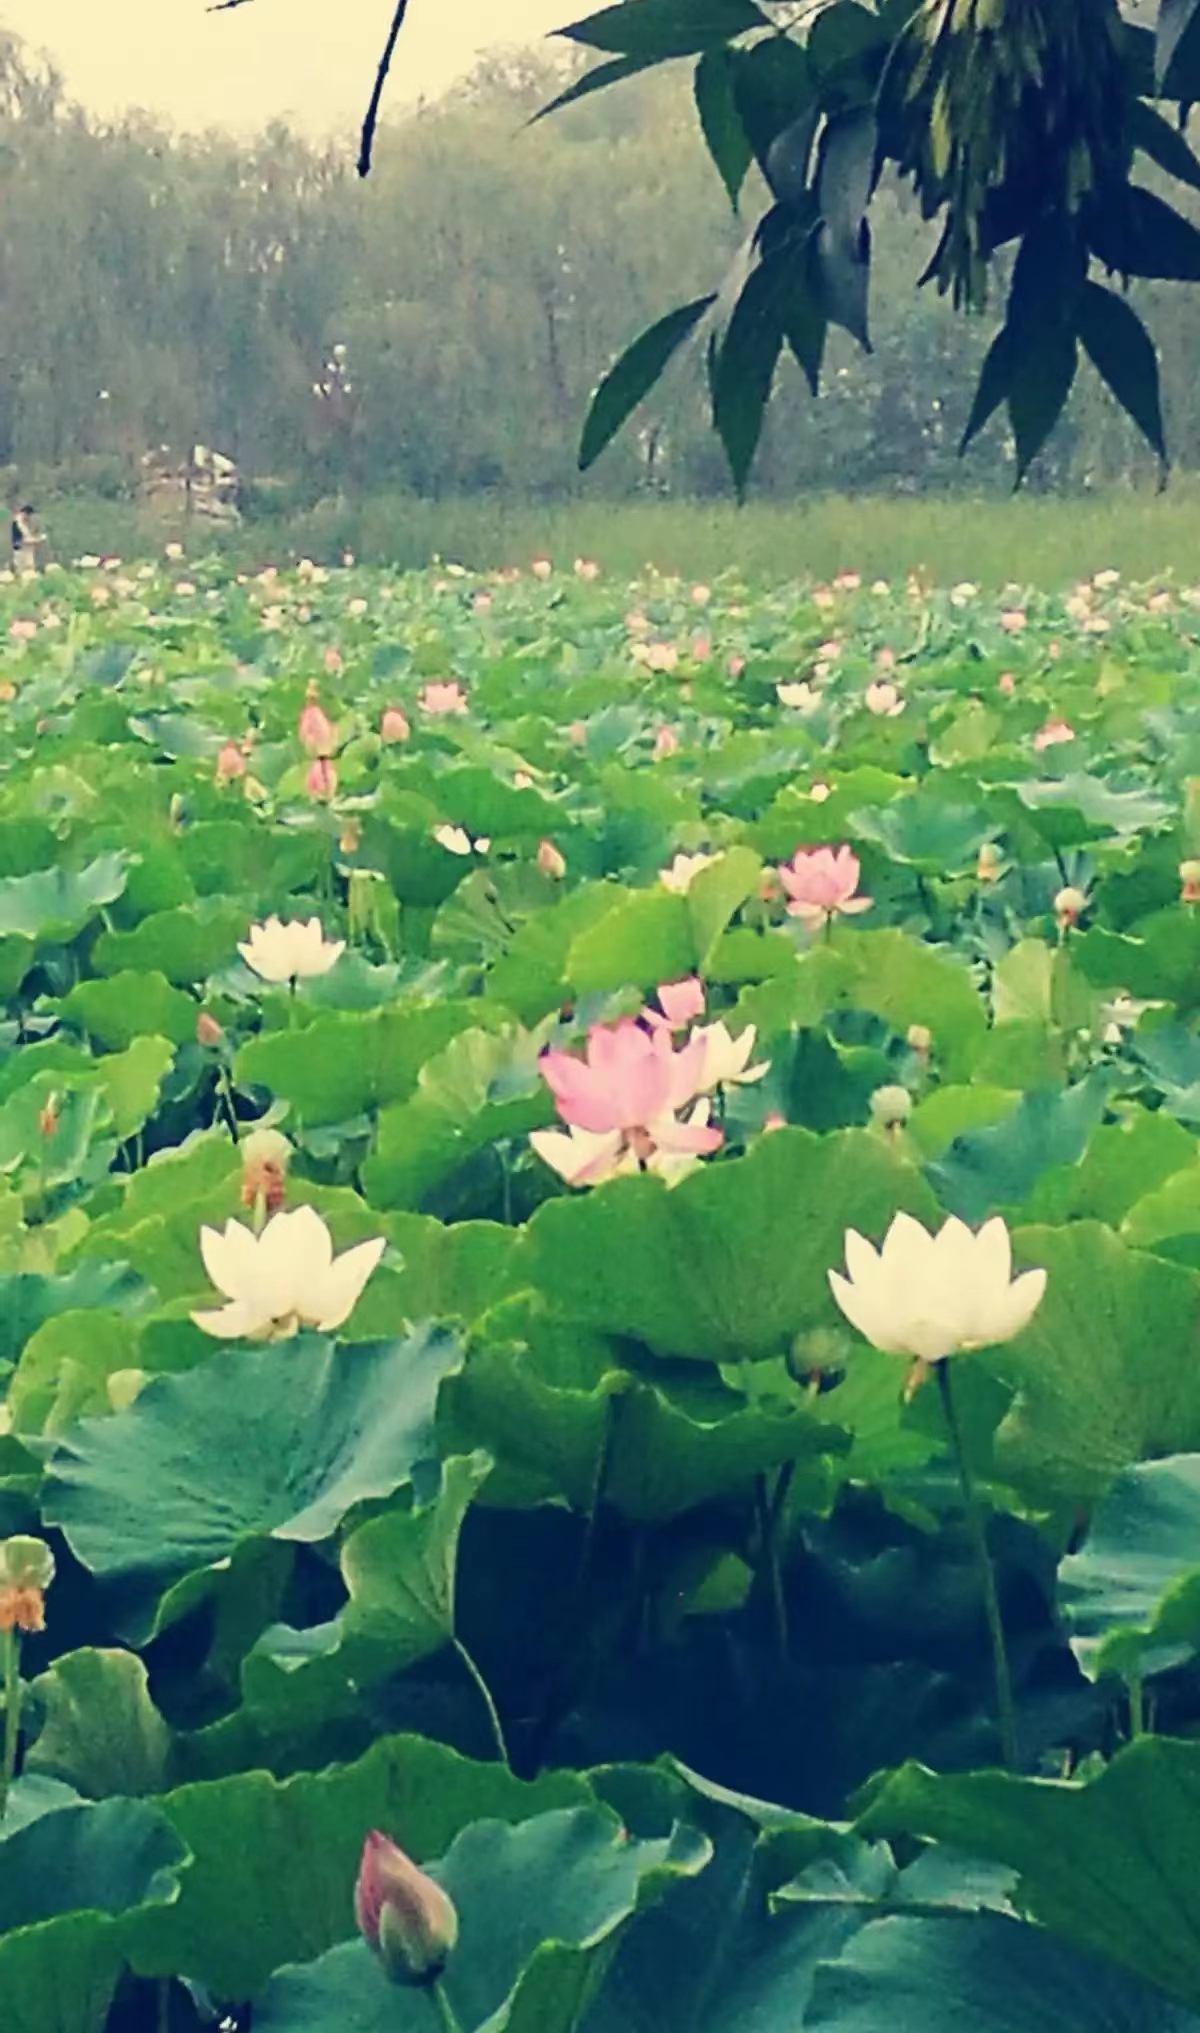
445,2010
1006,1714
1137,1706
485,1693
10,1644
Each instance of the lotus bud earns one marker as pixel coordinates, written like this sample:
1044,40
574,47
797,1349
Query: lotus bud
1189,877
890,1108
551,861
332,659
209,1032
407,1919
26,1571
920,1040
48,1117
321,782
542,568
351,837
987,868
773,1122
231,763
394,725
1069,906
315,728
266,1156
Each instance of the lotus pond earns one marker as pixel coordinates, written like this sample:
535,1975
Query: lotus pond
599,1304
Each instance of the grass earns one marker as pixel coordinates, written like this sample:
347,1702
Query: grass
1027,541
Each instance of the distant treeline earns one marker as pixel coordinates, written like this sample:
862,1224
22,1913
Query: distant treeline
159,290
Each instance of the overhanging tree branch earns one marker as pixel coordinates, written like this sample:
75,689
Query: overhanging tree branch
371,120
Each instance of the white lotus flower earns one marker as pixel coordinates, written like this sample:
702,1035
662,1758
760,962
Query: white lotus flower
726,1059
456,840
683,871
932,1296
292,952
802,698
284,1279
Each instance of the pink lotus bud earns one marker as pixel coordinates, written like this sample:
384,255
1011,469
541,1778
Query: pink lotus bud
577,733
394,725
208,1031
1014,620
542,568
666,742
322,779
402,1914
333,660
48,1116
231,763
773,1122
701,649
550,861
736,666
1189,878
1054,732
316,730
680,1002
482,603
701,595
1006,683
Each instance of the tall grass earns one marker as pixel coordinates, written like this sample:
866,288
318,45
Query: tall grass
1027,541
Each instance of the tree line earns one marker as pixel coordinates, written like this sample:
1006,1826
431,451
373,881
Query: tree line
440,328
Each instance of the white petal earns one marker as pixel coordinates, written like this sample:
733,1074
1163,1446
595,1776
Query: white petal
344,1282
236,1322
864,1311
1023,1298
230,1257
907,1244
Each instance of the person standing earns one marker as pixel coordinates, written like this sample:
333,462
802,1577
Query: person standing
26,536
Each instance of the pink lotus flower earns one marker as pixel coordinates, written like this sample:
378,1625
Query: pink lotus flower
318,735
551,861
847,582
1052,733
23,631
321,781
1014,620
661,656
394,725
586,568
231,763
542,568
666,742
701,649
822,885
627,1079
589,1158
1006,683
481,603
701,595
443,698
679,1003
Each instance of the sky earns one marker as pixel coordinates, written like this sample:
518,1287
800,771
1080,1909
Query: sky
309,61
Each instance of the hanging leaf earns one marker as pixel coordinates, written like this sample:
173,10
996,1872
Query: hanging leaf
1122,352
634,375
720,121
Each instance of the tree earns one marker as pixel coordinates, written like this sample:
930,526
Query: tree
1022,126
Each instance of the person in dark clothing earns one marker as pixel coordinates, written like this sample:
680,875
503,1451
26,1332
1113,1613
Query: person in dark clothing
26,536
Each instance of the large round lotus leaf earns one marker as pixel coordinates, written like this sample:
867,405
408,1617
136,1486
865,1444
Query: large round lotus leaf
272,1442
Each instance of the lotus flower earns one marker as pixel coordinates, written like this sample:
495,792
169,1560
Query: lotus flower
683,871
884,699
318,736
932,1296
726,1059
321,781
680,1002
456,840
402,1914
823,885
284,1279
588,1157
231,763
394,725
442,698
626,1095
292,952
551,860
801,698
1054,732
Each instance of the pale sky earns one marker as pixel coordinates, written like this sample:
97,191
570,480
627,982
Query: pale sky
311,61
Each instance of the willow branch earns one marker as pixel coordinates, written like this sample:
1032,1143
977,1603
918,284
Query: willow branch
371,121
